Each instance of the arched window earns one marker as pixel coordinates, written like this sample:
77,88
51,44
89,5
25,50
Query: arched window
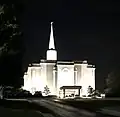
65,70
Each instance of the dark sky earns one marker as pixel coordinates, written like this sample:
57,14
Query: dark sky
83,29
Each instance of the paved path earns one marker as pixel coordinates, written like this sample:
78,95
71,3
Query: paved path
61,110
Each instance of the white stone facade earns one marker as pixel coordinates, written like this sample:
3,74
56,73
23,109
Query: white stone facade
56,74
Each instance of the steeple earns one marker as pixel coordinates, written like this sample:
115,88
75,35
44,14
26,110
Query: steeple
51,41
51,52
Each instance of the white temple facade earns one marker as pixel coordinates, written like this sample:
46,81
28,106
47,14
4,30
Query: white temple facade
56,74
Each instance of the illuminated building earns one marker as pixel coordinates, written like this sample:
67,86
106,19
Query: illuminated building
56,74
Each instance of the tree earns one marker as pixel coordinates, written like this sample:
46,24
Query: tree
90,90
11,47
1,92
46,90
96,93
113,83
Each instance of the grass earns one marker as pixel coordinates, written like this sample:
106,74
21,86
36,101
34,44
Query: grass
88,104
91,105
8,112
24,105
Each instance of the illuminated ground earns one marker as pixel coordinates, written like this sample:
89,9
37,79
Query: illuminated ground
66,110
53,108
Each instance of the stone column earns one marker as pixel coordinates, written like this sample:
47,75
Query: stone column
79,92
75,77
63,93
55,80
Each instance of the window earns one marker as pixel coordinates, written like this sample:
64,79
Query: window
65,70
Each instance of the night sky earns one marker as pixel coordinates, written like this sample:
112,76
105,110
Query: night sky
83,29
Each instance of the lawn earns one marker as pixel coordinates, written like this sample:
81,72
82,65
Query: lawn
21,108
8,112
91,105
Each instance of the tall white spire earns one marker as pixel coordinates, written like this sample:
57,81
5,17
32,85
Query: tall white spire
51,42
51,52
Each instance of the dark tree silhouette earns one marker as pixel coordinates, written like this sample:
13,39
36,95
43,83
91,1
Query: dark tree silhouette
11,47
113,83
90,90
46,90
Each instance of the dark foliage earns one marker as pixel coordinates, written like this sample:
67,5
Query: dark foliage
11,47
113,83
38,94
46,90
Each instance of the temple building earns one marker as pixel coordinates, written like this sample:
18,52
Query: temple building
63,78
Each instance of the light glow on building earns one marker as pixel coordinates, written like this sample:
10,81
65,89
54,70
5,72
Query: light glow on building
56,74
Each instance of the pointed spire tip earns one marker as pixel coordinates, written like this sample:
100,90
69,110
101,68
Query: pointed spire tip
51,42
